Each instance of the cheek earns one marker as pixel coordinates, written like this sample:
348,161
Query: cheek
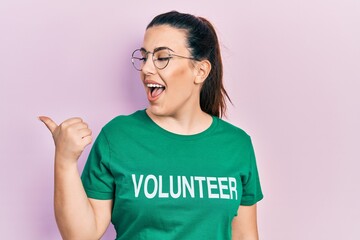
180,87
180,78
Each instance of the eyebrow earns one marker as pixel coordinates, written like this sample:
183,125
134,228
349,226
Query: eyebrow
157,49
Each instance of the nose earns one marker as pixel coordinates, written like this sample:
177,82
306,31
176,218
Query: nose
149,67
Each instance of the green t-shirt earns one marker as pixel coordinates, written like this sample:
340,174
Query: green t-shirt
171,186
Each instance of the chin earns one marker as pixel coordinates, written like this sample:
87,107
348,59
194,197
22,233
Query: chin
158,111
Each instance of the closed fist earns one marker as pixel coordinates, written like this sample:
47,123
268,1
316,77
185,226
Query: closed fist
70,137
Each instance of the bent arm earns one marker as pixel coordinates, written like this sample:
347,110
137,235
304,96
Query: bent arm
77,216
244,225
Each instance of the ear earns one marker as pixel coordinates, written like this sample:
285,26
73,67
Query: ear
202,69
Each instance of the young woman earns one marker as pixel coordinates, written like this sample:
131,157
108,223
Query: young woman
172,171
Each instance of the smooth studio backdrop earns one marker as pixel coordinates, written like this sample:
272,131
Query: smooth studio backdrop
292,69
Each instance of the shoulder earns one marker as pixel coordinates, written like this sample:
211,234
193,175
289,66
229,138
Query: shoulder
124,122
233,131
229,127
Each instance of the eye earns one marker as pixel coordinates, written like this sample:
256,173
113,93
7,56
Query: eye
163,59
162,56
143,56
140,56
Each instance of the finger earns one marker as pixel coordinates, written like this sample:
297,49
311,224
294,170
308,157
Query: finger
87,140
79,125
85,132
49,123
72,121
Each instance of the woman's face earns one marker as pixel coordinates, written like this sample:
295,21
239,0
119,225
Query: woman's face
173,90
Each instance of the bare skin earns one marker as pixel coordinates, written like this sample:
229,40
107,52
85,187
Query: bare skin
244,225
77,216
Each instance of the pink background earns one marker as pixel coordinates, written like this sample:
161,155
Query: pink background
292,69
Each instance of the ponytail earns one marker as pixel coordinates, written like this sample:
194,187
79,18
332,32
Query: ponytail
213,94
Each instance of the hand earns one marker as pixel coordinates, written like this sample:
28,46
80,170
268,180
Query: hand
70,137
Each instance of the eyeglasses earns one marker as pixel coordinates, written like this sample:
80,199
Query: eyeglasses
160,57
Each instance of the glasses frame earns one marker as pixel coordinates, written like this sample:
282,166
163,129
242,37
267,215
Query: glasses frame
171,55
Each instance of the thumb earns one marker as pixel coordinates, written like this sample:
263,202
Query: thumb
49,123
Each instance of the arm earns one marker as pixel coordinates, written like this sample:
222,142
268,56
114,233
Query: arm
77,216
244,225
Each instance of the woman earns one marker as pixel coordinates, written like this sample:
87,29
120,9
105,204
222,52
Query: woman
172,171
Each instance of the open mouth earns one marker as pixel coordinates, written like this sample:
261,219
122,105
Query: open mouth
155,89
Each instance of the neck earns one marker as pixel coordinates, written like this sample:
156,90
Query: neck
187,123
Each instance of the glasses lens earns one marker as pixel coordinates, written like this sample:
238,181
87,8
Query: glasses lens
138,59
161,58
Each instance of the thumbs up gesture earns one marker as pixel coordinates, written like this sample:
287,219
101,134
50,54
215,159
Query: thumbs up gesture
70,137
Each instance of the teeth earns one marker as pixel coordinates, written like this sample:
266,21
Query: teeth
154,85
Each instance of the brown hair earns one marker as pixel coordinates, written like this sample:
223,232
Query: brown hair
203,43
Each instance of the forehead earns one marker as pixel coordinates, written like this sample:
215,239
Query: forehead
164,36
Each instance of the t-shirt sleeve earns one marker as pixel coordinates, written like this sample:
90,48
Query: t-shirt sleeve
252,192
96,177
